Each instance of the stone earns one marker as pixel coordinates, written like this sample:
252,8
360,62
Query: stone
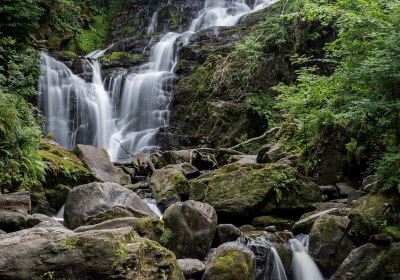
200,160
329,242
332,192
58,253
96,202
344,189
240,192
151,228
191,268
168,186
187,169
370,262
247,228
231,261
354,195
305,224
279,222
98,162
20,201
381,239
271,229
269,153
193,226
244,159
225,233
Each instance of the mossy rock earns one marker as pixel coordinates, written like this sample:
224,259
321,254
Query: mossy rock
121,59
393,231
279,222
57,195
371,214
244,191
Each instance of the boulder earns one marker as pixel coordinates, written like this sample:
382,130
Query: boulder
226,233
201,160
168,186
329,242
20,201
96,202
191,268
98,162
231,261
193,227
279,222
305,224
57,253
331,192
244,159
187,169
269,153
344,189
369,214
151,228
370,262
354,195
240,192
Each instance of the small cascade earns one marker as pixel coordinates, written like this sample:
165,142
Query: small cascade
60,215
303,266
268,262
152,203
126,111
304,240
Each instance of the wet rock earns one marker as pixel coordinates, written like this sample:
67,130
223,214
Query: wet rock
329,242
279,222
271,229
191,268
99,163
370,262
193,226
247,228
96,202
168,186
151,228
225,233
58,253
231,261
240,192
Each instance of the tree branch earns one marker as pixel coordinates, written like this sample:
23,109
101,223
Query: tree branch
272,130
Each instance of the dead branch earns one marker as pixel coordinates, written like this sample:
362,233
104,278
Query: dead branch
272,130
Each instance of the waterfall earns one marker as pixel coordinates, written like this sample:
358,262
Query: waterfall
278,271
152,203
303,266
59,217
130,109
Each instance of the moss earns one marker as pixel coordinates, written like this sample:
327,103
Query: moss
66,244
122,57
63,167
57,195
166,236
120,254
393,231
151,228
230,265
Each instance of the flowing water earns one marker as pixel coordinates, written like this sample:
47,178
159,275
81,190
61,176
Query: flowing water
152,203
303,266
126,111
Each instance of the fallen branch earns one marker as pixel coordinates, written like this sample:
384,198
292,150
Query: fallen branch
272,130
123,148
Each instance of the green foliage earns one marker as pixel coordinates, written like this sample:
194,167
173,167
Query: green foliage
388,171
120,254
166,236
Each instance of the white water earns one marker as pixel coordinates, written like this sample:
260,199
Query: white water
304,240
60,215
303,266
134,107
278,271
152,203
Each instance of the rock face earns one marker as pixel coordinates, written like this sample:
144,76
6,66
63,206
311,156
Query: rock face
97,202
169,185
242,192
193,227
231,261
57,253
305,224
329,242
371,262
99,163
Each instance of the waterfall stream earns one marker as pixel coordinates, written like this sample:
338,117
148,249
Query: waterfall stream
130,109
303,266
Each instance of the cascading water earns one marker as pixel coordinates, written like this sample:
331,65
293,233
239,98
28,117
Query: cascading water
303,266
132,108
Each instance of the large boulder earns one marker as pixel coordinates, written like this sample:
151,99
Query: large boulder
168,186
329,242
231,261
98,162
96,202
305,224
371,262
240,192
57,253
193,227
226,233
